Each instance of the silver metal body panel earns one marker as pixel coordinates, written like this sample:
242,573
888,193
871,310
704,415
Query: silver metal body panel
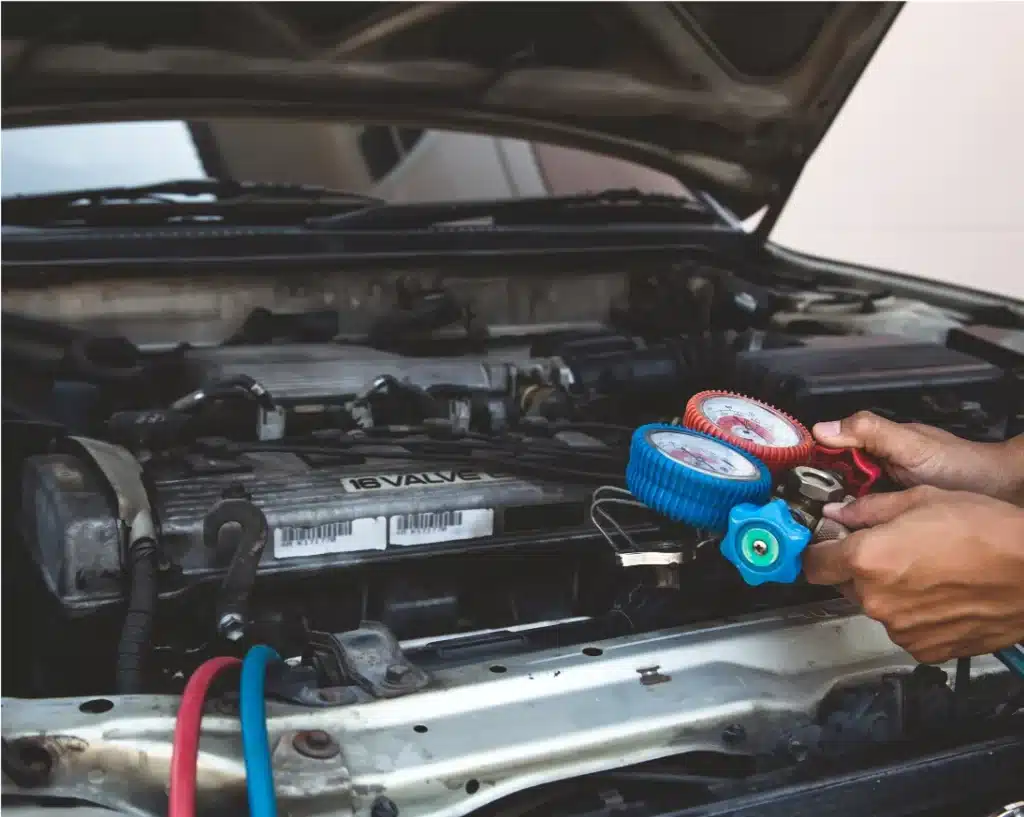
477,734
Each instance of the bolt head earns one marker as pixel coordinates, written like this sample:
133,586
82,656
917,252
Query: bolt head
316,744
231,626
396,673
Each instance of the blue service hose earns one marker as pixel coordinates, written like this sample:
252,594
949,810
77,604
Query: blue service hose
259,776
1013,659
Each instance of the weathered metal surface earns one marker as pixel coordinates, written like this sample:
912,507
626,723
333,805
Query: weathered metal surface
482,732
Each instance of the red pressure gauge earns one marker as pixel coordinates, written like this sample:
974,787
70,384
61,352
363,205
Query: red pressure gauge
775,438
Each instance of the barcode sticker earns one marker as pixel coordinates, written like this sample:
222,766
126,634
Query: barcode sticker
270,425
331,537
425,527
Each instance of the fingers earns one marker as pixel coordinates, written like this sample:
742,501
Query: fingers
828,562
901,444
866,552
877,509
849,592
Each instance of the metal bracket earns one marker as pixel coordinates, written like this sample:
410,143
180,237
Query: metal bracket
371,658
123,473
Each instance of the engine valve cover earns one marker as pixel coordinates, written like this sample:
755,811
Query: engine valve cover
320,517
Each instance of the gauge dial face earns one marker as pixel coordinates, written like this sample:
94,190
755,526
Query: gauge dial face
749,421
702,454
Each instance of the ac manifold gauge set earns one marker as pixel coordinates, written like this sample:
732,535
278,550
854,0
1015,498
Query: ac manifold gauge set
749,476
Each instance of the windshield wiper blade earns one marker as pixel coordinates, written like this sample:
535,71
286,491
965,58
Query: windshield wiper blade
163,192
181,200
606,206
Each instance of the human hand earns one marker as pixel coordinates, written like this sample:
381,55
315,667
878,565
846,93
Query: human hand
943,571
914,454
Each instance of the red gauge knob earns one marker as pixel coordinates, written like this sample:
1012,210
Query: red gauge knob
856,469
775,438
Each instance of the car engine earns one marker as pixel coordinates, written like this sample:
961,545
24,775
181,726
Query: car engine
494,548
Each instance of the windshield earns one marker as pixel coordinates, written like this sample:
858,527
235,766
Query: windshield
397,164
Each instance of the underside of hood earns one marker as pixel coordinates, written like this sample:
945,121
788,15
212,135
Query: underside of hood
729,97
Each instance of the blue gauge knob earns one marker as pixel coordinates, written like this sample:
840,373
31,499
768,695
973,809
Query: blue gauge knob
765,543
691,477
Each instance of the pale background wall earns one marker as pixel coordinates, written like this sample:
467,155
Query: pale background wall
923,172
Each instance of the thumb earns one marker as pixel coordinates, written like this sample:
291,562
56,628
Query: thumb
877,509
893,442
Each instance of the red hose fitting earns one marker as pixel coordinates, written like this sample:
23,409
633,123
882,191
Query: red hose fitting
856,469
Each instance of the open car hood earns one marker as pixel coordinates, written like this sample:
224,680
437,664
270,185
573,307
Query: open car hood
730,97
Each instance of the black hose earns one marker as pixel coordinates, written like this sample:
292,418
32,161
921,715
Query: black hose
52,348
233,601
239,385
137,631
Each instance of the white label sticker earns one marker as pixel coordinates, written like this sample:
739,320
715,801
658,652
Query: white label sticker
270,425
427,479
332,537
426,527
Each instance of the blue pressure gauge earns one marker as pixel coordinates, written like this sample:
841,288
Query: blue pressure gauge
693,478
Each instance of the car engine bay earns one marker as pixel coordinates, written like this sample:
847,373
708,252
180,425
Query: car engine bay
476,542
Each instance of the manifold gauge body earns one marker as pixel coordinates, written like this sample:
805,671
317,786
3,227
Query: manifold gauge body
692,477
770,435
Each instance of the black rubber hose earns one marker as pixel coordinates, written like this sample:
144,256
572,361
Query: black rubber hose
55,349
239,385
137,632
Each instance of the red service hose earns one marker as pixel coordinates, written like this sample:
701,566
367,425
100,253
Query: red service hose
185,754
